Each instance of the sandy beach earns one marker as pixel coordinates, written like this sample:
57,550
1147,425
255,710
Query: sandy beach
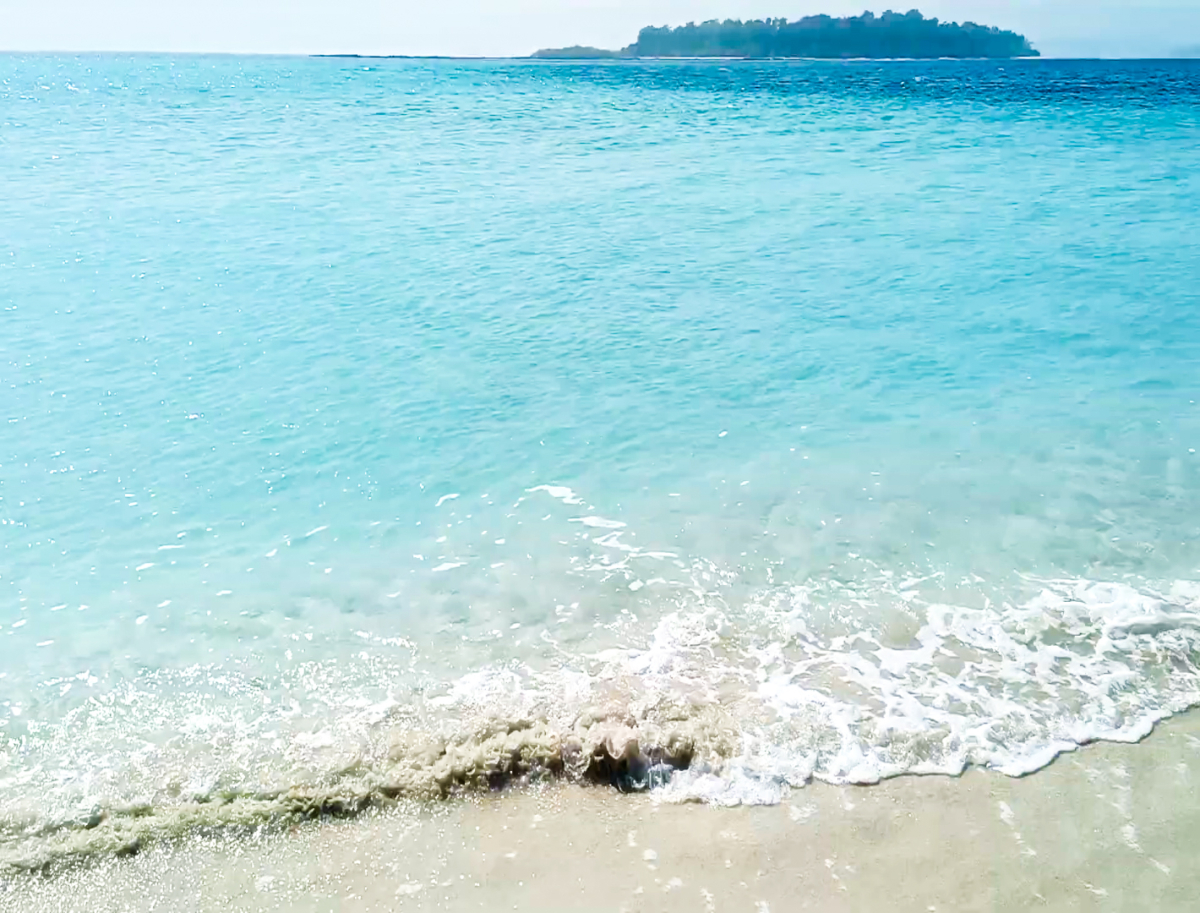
1110,827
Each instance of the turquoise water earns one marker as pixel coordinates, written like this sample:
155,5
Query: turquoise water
848,407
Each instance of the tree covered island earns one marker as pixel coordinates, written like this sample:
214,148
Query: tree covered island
889,35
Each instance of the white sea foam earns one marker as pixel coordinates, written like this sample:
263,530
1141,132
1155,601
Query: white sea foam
561,492
599,522
1007,688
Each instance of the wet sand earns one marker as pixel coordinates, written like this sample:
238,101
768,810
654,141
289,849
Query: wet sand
1109,827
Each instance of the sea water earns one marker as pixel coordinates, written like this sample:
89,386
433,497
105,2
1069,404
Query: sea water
379,427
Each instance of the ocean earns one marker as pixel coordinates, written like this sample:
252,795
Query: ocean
375,430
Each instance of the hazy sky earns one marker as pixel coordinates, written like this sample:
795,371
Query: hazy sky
508,27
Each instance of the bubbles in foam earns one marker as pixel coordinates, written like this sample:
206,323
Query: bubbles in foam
1006,687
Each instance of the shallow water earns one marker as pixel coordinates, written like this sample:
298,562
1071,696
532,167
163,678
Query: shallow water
786,420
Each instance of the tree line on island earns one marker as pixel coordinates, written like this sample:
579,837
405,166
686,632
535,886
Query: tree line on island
889,35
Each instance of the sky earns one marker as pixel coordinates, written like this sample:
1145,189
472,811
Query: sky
1060,28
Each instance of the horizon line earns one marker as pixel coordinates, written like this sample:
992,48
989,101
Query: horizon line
352,55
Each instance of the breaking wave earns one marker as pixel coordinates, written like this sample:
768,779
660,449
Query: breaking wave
720,701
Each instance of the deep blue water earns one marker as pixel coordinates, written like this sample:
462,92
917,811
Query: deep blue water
807,330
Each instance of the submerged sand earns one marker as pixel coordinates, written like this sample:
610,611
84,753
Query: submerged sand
1109,827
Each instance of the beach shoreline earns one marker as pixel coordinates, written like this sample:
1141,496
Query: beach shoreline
1105,827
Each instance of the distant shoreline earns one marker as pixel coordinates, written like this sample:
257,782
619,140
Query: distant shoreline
531,58
889,36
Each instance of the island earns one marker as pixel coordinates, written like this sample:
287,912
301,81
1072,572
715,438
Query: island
890,35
